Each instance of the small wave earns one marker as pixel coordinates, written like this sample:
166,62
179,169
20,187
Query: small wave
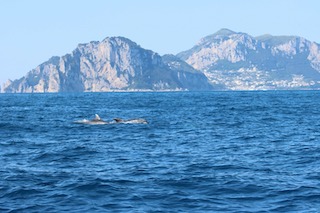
20,193
206,152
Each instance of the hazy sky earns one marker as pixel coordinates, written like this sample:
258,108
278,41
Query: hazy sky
34,30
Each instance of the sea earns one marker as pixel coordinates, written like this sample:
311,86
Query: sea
226,151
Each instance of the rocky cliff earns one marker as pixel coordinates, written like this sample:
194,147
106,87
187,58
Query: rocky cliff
238,61
113,64
225,60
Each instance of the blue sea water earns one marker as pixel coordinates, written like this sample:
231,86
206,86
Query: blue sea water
200,152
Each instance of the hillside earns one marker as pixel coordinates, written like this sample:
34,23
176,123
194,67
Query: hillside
114,64
242,62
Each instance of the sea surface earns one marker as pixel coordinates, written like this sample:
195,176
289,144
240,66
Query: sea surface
199,152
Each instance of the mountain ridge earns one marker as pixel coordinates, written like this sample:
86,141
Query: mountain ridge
243,62
114,64
225,60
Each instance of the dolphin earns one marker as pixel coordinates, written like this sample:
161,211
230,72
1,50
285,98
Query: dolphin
96,121
131,121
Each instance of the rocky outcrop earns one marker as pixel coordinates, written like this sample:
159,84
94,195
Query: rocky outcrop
225,60
115,63
238,61
186,74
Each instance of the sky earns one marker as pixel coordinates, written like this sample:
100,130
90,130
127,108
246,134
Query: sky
32,31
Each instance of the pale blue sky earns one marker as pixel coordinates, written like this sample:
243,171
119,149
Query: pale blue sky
34,30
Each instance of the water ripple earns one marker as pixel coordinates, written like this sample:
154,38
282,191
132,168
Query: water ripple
200,152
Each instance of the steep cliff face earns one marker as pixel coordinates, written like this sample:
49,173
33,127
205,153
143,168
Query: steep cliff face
186,74
225,45
225,60
242,62
113,64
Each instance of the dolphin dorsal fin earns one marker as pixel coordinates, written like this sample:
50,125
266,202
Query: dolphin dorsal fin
97,117
118,120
